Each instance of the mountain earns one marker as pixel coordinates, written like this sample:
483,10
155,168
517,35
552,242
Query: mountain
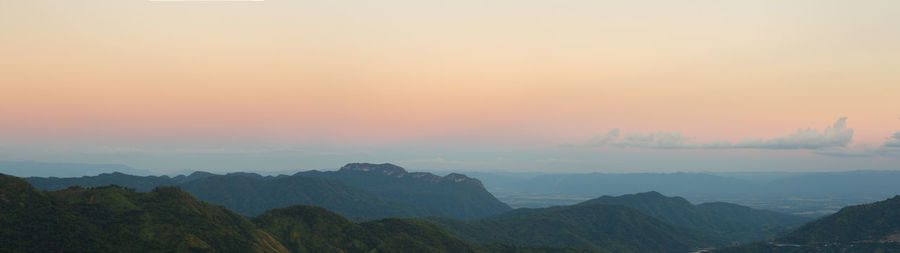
876,222
253,195
357,190
139,183
810,194
734,223
115,219
44,169
871,227
601,227
313,229
167,219
454,195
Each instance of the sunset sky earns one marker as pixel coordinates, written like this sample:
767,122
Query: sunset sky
512,85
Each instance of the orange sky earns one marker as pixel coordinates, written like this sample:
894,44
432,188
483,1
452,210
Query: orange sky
508,72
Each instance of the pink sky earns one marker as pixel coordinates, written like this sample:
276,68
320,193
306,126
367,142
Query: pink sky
504,73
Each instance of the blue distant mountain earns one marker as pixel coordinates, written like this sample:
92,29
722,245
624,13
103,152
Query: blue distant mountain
44,169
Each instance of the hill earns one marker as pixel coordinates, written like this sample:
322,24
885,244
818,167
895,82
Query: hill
313,229
871,227
115,219
358,190
167,219
809,194
601,227
252,196
454,195
875,222
45,169
733,223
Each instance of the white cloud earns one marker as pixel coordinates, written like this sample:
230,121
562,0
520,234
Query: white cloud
834,136
837,135
893,141
654,140
611,136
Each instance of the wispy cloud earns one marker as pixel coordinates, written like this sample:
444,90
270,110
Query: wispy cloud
891,147
836,135
893,141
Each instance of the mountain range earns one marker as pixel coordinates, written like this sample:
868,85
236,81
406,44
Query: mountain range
361,208
357,190
731,222
873,227
167,219
644,222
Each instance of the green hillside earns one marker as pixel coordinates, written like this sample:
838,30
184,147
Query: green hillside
453,195
252,196
731,222
871,227
358,190
879,221
601,227
313,229
115,219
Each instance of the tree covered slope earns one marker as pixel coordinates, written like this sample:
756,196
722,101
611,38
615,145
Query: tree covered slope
731,222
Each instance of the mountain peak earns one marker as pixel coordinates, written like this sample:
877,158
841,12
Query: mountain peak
384,168
653,194
460,178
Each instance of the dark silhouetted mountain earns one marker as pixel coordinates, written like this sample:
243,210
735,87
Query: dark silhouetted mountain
729,221
252,195
454,195
879,221
43,169
114,219
612,228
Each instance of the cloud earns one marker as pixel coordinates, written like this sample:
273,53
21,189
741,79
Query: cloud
834,136
611,136
893,141
837,135
890,148
654,140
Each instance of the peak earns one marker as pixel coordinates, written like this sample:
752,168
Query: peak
651,194
457,177
200,174
460,178
244,174
384,168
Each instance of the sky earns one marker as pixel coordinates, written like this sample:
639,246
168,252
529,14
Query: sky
505,85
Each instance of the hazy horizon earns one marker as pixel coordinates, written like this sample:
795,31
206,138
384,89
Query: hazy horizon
567,86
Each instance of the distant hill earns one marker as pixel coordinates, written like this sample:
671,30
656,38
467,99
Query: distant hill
253,195
453,195
601,227
140,183
166,219
734,223
810,194
313,229
879,221
358,190
114,219
45,169
871,227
